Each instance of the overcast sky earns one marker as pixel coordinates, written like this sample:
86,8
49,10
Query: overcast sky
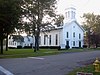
82,6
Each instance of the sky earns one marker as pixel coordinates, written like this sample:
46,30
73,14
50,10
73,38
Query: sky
82,6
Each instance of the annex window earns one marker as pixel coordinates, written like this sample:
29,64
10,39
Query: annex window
15,43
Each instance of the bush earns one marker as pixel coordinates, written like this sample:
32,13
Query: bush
59,48
19,47
67,47
84,46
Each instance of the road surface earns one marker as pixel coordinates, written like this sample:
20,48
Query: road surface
60,64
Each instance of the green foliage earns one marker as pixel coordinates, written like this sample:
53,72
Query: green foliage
10,14
86,69
59,20
92,26
34,11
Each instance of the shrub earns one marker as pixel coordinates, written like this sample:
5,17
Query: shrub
84,46
67,47
59,48
19,47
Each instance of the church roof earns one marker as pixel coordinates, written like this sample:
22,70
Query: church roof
71,21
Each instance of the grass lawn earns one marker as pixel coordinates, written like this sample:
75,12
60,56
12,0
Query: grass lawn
21,53
86,69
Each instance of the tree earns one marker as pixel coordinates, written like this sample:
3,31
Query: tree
92,26
34,11
10,13
59,20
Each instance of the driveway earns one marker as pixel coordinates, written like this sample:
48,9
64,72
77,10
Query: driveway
48,65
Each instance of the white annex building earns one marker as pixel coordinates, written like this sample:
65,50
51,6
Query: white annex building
18,41
70,34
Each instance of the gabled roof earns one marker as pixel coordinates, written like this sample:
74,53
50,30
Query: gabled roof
67,24
71,21
17,38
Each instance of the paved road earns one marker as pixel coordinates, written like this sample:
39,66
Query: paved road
48,65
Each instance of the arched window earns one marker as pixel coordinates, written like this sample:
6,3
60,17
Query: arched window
68,14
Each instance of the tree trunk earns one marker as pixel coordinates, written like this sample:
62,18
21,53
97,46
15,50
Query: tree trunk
35,48
89,38
7,43
1,42
38,42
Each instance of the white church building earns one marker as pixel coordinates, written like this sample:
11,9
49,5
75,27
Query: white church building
70,34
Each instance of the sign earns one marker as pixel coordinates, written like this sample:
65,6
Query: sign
82,73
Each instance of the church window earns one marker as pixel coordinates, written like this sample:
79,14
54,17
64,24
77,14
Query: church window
67,34
29,39
74,34
49,39
79,36
73,43
56,39
45,39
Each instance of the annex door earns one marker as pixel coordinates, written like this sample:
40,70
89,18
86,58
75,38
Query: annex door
79,43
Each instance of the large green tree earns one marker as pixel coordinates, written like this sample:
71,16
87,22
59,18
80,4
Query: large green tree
34,11
59,20
92,26
10,14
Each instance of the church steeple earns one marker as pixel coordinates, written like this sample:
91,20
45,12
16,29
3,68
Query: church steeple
70,14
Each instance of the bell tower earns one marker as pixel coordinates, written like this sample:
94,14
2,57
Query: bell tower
70,14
